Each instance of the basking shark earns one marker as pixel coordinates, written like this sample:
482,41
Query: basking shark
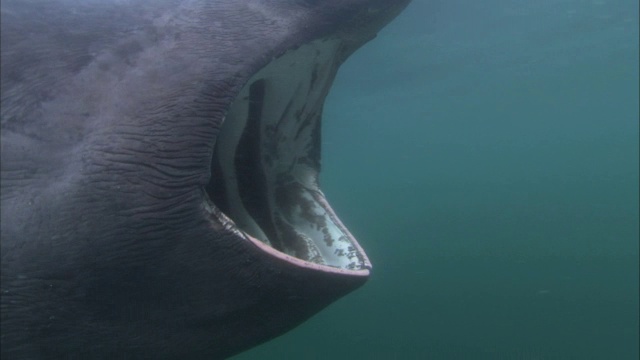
159,173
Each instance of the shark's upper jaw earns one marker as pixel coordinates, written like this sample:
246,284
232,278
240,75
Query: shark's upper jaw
266,162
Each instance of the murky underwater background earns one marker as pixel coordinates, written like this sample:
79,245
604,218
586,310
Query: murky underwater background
485,154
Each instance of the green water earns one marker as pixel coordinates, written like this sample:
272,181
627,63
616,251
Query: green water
485,154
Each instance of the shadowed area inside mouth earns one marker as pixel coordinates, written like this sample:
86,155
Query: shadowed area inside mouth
266,160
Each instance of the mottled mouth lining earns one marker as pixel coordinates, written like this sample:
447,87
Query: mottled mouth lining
266,161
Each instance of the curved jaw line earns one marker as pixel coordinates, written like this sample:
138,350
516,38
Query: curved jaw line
266,162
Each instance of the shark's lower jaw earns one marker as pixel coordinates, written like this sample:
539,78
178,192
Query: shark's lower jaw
266,162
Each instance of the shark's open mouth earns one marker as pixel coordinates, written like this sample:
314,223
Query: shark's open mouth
266,161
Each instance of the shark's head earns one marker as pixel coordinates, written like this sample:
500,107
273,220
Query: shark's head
160,165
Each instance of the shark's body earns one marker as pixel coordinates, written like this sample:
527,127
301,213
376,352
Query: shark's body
159,173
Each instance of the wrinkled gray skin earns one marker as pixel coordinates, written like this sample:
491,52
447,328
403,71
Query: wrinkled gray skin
110,111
